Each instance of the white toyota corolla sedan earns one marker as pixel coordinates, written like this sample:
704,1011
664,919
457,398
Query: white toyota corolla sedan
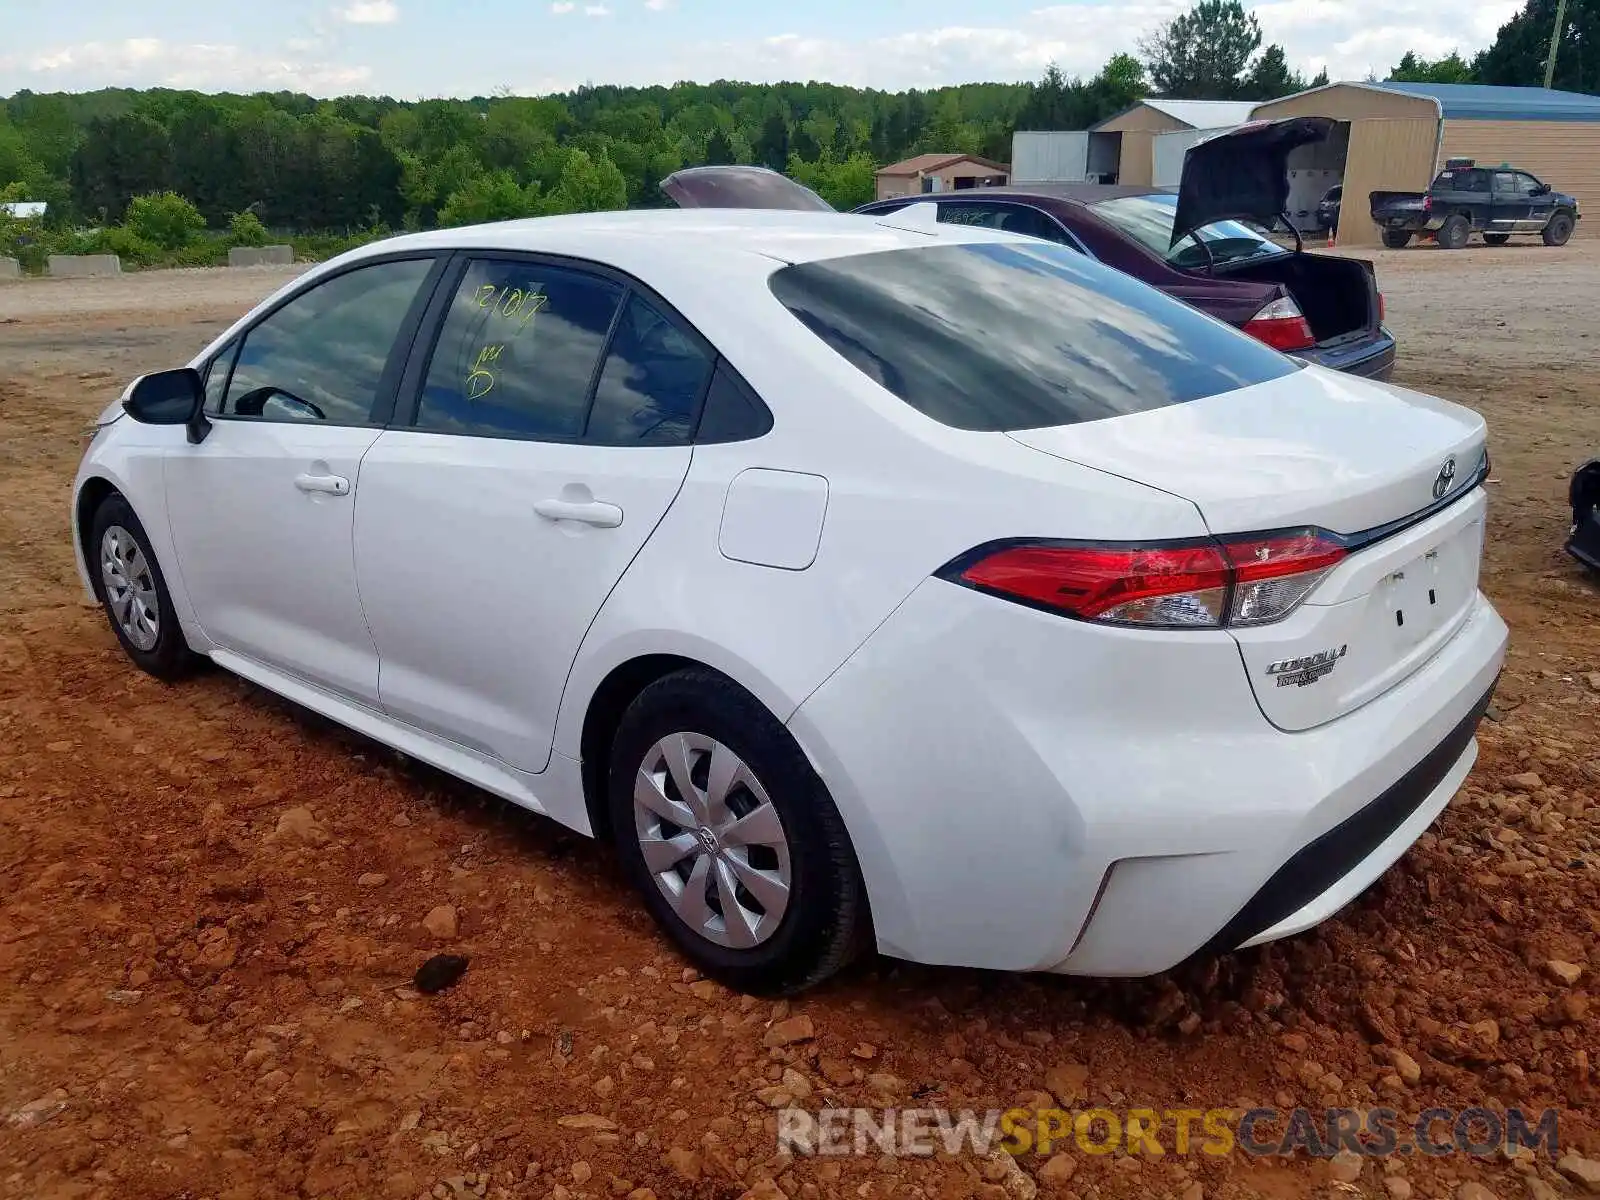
866,582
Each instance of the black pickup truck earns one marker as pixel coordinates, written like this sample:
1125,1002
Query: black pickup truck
1466,199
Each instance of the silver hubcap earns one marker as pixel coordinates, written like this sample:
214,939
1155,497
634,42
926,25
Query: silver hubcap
712,840
130,588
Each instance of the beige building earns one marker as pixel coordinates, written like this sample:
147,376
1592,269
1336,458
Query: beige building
1122,149
1393,136
939,173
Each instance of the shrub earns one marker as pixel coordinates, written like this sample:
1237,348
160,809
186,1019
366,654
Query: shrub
164,218
246,229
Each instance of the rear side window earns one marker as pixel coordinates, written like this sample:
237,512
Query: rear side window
651,383
1010,218
518,351
992,336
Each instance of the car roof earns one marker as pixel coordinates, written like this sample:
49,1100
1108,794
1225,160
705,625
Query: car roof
689,237
1073,193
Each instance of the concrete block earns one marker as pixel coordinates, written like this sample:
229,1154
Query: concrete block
10,268
260,256
78,266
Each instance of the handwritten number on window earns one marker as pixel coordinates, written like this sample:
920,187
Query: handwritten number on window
517,306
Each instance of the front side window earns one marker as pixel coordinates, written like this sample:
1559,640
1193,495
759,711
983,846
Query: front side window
651,383
217,377
322,355
518,350
1081,341
1149,220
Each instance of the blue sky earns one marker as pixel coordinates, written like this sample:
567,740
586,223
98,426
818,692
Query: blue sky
414,48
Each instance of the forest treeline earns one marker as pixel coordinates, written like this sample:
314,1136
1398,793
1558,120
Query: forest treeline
372,163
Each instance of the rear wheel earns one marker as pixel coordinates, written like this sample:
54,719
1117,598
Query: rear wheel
1558,230
134,592
1453,233
1396,239
731,837
1496,239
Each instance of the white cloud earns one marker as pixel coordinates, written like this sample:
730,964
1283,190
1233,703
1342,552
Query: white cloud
596,10
1350,38
562,7
659,5
146,62
371,12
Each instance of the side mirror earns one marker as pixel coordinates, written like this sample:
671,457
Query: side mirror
170,398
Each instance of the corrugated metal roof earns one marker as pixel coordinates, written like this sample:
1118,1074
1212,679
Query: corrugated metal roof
1203,114
1483,102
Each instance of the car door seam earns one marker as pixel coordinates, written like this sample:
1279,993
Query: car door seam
577,653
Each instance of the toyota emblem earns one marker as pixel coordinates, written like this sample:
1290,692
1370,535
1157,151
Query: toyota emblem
1446,476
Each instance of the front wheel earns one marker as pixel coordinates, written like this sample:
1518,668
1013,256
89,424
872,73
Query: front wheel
1558,230
731,838
1453,233
1496,239
1397,239
134,592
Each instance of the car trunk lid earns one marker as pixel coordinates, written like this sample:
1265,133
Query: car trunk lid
737,186
1390,471
1243,174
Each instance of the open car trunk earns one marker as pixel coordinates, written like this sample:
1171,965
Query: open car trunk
1243,175
1339,296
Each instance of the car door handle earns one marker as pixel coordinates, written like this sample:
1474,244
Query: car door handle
332,485
590,512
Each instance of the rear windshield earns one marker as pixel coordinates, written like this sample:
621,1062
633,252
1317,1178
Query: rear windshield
997,335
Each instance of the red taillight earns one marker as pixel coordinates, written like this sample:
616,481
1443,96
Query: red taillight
1282,326
1427,203
1181,585
1112,583
1382,308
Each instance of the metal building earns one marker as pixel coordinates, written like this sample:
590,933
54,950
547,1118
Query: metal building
1140,145
1392,137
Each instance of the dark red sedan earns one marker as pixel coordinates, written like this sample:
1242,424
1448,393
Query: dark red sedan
1202,243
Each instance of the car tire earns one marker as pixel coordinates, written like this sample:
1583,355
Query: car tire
773,823
1397,239
1453,233
133,592
1558,230
1496,239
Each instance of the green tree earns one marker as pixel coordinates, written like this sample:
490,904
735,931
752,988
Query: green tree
1518,53
719,149
164,219
588,185
246,229
492,197
1320,79
1413,68
1203,54
1270,77
772,146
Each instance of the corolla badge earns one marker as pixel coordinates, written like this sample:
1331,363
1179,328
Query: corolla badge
1297,672
1446,476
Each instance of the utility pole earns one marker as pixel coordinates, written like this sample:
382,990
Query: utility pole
1555,42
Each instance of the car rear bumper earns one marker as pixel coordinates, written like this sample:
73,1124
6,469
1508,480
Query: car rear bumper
1027,792
1372,358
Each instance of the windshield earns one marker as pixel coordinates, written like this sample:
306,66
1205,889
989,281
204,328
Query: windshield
1149,220
1017,335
